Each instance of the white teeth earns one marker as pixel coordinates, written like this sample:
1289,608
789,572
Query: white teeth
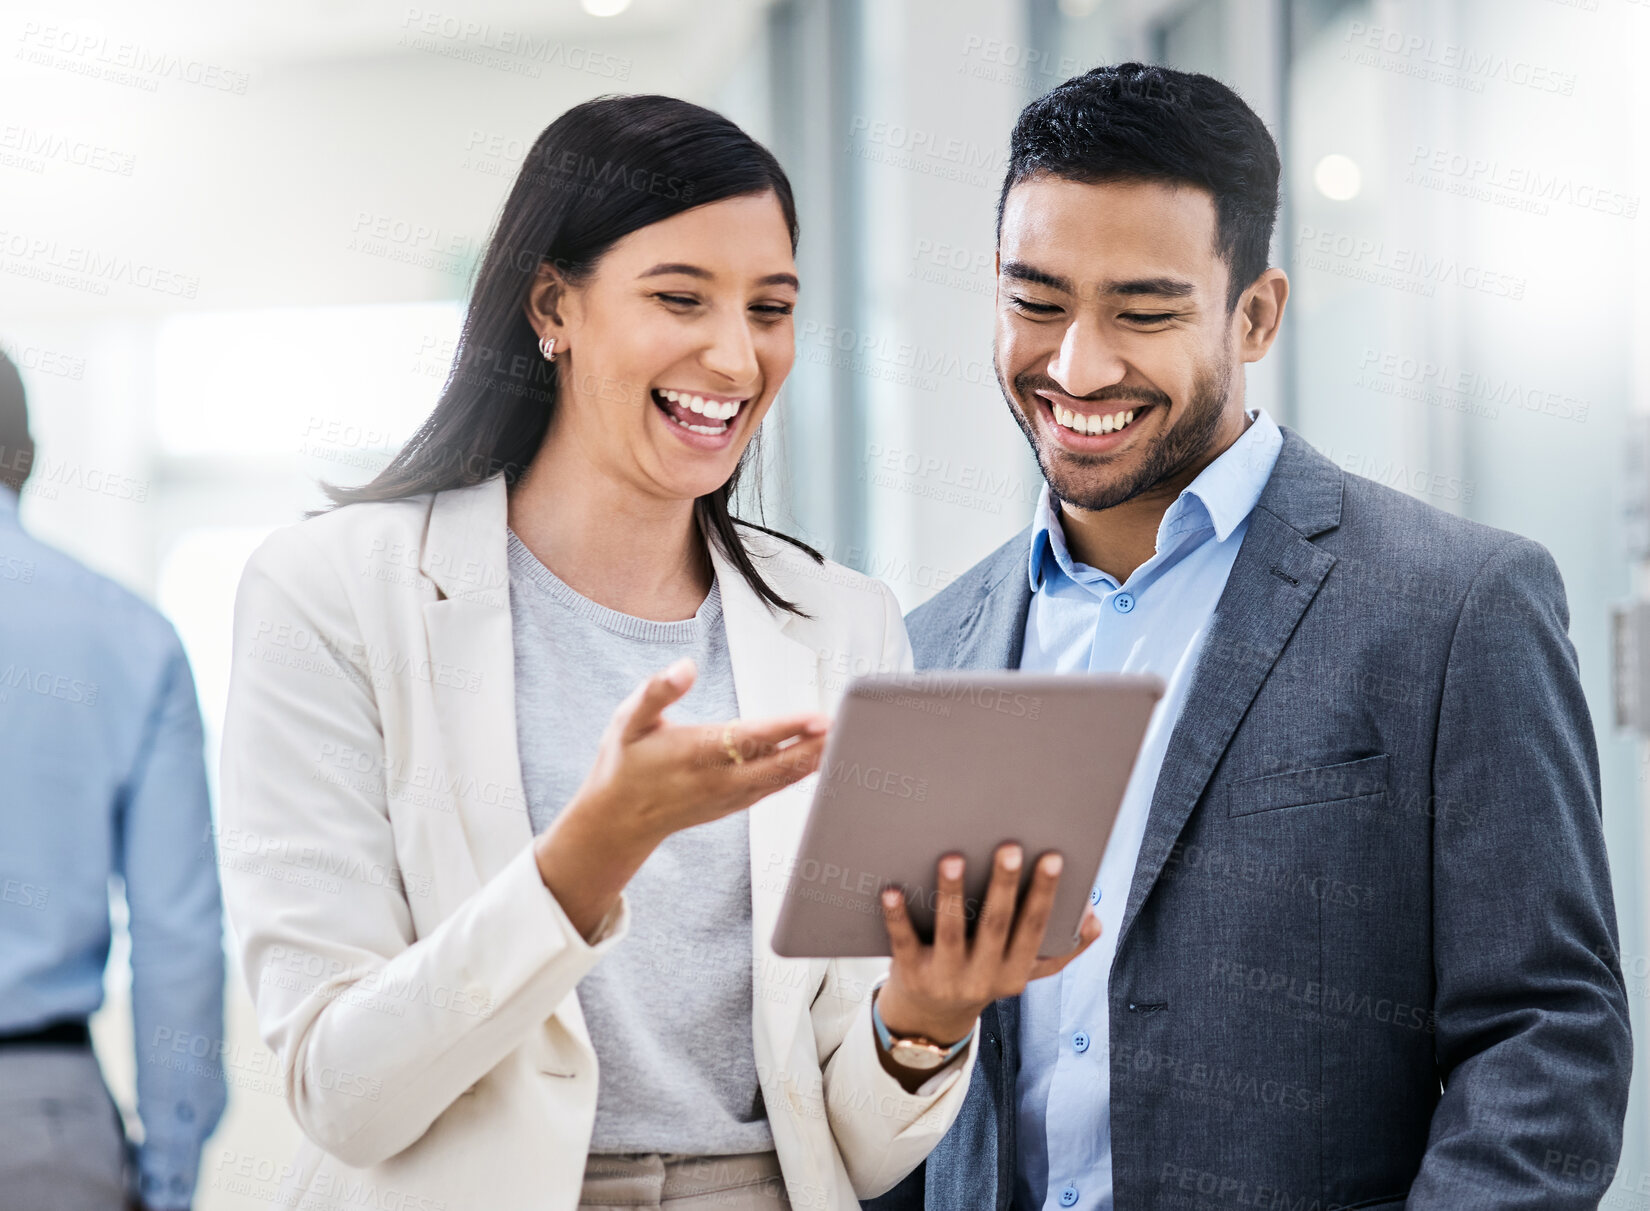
708,430
1079,422
714,409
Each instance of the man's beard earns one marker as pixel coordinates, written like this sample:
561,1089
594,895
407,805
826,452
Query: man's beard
1188,440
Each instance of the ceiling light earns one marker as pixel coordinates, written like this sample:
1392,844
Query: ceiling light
1338,177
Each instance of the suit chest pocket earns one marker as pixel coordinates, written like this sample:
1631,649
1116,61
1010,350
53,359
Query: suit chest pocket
1361,779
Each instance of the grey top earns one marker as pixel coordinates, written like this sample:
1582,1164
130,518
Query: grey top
669,1009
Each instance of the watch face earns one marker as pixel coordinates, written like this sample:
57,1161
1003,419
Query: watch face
908,1054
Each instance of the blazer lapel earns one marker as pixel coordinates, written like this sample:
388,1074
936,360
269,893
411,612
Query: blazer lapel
773,674
1277,574
471,671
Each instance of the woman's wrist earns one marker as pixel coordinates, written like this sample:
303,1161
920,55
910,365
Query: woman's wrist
586,858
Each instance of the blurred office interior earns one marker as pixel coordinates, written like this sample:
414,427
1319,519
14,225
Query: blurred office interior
233,263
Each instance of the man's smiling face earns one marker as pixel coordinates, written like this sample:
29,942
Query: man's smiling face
1114,344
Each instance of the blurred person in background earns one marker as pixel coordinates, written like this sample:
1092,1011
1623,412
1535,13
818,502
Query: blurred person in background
101,748
542,977
1360,943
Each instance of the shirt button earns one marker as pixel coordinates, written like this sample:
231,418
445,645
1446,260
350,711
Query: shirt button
1068,1196
1123,603
1080,1042
1094,896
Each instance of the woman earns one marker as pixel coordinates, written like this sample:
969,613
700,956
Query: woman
449,837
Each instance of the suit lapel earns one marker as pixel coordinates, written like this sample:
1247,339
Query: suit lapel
992,635
1276,575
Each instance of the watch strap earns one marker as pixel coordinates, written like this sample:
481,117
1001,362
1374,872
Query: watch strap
885,1038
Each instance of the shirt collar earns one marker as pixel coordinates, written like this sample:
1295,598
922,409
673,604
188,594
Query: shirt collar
1220,498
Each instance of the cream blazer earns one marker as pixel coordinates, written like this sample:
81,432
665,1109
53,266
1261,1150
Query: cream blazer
415,979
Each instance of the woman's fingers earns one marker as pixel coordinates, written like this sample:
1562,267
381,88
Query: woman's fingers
780,767
1087,934
639,713
756,738
997,913
1034,913
950,924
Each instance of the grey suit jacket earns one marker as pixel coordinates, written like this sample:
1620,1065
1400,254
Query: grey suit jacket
1369,953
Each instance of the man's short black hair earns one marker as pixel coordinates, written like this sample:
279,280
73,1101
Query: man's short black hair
1134,122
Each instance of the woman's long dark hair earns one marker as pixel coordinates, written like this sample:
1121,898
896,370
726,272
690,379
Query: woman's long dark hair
600,171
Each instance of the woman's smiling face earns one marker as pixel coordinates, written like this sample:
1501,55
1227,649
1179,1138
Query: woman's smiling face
671,351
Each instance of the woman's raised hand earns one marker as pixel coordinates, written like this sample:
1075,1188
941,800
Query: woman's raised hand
652,778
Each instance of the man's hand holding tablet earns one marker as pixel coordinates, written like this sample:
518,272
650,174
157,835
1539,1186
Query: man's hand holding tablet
937,991
936,790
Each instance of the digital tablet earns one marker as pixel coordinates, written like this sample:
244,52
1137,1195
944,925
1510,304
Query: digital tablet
919,765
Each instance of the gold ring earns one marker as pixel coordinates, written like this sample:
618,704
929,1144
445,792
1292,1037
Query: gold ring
728,746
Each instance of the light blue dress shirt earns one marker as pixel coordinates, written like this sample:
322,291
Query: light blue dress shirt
104,775
1081,620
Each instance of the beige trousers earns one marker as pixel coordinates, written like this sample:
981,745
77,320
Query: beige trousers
749,1182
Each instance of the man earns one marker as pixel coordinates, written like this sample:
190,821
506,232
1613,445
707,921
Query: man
100,744
1359,944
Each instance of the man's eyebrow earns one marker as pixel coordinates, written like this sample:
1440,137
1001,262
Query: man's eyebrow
1163,288
1019,271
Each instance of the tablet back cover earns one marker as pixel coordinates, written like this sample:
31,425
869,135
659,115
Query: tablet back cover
919,765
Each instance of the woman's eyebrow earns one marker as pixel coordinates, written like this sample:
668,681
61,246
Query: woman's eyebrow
696,271
692,271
